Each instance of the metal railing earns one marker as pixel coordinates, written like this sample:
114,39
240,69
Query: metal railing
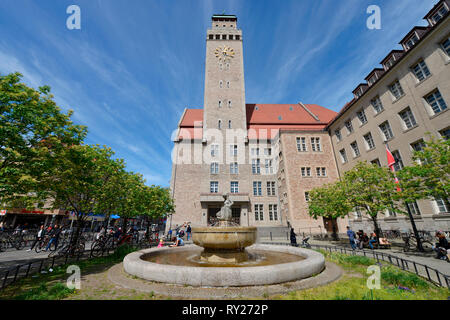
431,274
43,265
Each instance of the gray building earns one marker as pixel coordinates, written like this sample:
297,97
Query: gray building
400,102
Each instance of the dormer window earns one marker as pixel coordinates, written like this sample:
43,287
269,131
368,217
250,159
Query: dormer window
440,13
372,80
411,42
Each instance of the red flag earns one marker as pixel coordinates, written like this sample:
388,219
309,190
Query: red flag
390,159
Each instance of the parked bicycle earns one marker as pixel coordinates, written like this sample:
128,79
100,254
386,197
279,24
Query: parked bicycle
411,242
69,250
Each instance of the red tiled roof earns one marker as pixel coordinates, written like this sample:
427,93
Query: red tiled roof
265,120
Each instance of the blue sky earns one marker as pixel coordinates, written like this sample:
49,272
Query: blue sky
136,64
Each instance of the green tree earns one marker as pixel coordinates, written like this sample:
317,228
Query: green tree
32,130
329,201
77,177
426,178
157,203
372,188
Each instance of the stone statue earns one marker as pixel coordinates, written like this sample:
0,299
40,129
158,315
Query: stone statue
225,213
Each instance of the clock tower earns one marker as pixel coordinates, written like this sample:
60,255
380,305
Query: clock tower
224,103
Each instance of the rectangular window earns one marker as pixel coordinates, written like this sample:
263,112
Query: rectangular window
301,144
439,14
398,160
445,134
267,151
441,206
408,118
362,117
436,102
307,196
369,141
413,208
234,187
214,150
271,188
338,134
343,155
421,71
234,168
233,149
268,166
306,171
358,213
257,189
214,168
418,146
446,46
411,42
259,212
256,166
376,162
321,172
386,130
355,149
377,105
349,126
396,90
255,151
315,144
273,212
214,187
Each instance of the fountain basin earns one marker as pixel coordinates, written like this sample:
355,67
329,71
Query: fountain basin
309,263
224,238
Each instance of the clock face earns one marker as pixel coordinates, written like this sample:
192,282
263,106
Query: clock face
224,53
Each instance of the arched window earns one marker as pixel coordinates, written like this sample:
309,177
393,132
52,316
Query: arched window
220,104
228,84
219,125
220,84
229,104
229,124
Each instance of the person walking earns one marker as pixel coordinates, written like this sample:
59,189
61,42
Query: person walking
56,231
39,236
351,237
293,237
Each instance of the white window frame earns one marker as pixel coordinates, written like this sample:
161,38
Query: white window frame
408,119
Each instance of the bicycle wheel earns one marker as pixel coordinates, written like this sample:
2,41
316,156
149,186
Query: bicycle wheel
20,244
427,246
39,246
97,250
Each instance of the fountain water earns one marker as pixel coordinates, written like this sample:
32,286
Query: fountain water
229,258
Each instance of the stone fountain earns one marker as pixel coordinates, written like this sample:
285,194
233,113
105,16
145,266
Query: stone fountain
224,242
224,255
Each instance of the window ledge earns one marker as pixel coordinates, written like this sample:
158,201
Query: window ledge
398,99
409,129
444,215
420,82
390,219
376,114
438,114
363,124
356,157
371,149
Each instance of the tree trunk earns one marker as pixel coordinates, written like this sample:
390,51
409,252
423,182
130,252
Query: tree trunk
334,234
416,233
376,227
147,233
124,225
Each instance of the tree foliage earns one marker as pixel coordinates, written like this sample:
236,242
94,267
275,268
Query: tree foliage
32,129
